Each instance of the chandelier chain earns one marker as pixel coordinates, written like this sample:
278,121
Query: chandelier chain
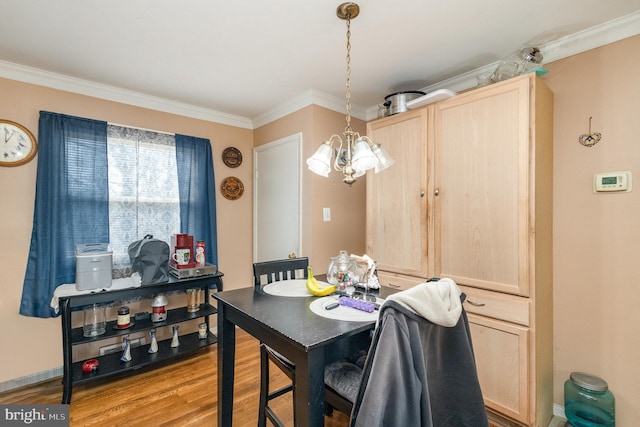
348,96
354,155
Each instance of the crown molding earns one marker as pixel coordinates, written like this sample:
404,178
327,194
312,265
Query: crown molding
39,77
591,38
309,97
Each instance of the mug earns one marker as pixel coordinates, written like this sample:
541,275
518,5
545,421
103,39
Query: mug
182,256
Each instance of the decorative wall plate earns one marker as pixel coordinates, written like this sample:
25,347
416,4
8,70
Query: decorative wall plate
232,188
232,157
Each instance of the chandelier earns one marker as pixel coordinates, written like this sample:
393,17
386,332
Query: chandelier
356,154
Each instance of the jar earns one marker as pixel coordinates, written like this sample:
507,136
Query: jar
383,109
159,308
202,331
518,62
344,272
193,299
95,320
124,317
588,401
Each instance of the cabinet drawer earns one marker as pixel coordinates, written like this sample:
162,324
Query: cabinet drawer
398,281
497,305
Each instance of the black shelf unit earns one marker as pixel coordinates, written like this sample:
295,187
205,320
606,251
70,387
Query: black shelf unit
110,364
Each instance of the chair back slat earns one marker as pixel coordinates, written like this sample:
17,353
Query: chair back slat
284,269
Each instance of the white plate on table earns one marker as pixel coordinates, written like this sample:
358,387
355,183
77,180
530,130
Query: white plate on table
343,312
290,288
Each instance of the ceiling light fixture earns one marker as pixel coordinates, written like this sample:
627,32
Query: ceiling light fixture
356,154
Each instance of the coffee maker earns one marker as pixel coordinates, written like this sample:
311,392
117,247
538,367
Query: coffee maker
180,244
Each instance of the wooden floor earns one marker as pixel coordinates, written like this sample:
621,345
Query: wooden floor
179,394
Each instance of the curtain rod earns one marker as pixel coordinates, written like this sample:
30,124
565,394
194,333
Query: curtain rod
139,128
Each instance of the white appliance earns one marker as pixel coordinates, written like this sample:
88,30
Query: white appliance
94,265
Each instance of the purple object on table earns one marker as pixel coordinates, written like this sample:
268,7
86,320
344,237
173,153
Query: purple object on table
357,304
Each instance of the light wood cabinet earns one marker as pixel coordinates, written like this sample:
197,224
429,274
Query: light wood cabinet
487,220
501,350
493,234
397,220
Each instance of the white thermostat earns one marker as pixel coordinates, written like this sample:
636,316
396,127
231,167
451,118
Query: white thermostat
612,181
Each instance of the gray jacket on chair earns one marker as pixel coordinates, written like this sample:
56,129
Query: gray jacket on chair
419,374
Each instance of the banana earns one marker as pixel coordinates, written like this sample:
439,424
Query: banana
315,288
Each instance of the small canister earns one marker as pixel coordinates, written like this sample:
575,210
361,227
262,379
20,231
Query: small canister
124,317
159,308
200,254
588,401
202,331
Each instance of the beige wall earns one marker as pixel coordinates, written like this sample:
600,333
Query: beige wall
36,343
346,230
596,236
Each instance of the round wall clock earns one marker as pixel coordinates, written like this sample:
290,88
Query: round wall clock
232,188
17,144
232,157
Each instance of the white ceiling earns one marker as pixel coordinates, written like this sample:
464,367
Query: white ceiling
244,59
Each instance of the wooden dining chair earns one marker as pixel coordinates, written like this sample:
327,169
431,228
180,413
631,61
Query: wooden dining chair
264,273
283,269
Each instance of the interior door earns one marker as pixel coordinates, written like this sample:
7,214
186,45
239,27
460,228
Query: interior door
277,207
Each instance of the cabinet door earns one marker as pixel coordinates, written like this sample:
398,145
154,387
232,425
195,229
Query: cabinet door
482,188
501,351
396,197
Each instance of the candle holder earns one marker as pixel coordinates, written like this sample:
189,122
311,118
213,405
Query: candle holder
193,300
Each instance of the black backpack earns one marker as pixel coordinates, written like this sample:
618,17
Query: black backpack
150,258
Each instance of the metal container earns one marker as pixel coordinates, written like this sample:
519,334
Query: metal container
398,101
159,308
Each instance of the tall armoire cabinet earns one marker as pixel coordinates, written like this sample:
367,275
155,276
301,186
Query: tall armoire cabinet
481,164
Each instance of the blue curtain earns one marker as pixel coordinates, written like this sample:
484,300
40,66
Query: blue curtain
71,206
197,192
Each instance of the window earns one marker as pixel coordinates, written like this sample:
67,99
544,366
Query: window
143,188
105,183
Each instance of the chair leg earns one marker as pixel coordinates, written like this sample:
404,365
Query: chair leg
264,387
264,411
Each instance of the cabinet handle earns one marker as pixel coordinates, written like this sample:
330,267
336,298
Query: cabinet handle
393,285
422,193
436,192
477,304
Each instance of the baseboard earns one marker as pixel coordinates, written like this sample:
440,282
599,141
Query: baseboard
30,379
558,410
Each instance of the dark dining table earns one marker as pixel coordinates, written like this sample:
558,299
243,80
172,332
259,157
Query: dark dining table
287,325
